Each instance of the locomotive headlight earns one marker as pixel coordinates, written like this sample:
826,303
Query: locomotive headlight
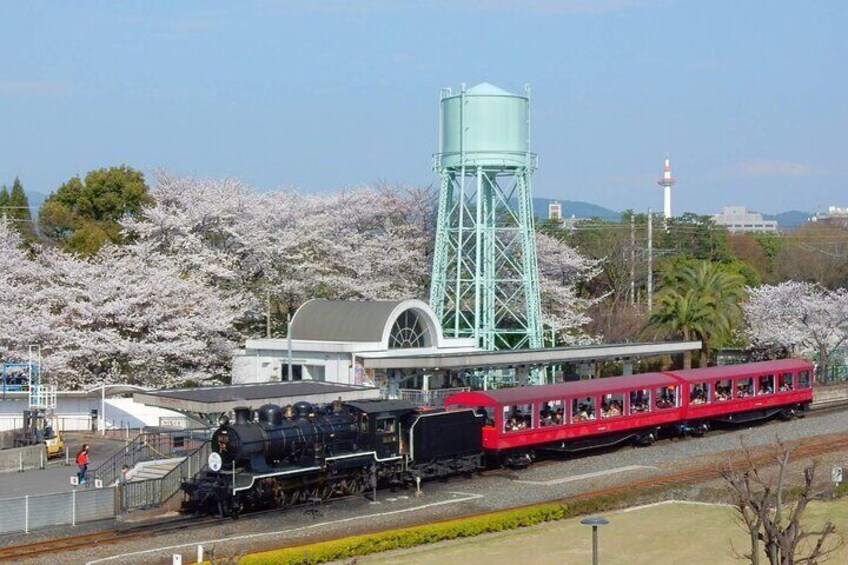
215,462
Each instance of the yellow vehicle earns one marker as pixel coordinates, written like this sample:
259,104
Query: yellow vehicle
38,428
54,443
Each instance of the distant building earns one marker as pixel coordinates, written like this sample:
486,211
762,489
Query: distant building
835,215
737,219
555,212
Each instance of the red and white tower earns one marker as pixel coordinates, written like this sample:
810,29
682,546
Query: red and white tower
667,181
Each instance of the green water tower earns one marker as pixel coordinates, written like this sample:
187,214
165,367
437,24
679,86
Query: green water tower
484,280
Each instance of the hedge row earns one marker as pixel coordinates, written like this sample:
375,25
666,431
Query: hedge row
431,533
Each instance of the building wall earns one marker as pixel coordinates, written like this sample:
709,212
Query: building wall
74,414
262,366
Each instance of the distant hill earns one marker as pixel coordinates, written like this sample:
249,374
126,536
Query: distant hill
574,208
789,220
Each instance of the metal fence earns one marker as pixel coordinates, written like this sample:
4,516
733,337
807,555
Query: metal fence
429,397
28,513
23,458
147,446
155,492
835,374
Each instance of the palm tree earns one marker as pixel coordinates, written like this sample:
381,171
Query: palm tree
699,302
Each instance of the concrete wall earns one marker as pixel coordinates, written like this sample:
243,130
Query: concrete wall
7,438
31,457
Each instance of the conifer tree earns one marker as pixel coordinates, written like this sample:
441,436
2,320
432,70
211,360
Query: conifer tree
4,200
19,212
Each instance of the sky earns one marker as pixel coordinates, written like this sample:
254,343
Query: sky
749,98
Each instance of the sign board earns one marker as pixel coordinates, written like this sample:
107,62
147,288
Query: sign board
173,422
75,481
836,475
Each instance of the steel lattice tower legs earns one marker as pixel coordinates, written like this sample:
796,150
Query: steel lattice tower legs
485,278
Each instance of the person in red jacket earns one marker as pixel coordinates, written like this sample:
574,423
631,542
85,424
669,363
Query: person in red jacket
82,463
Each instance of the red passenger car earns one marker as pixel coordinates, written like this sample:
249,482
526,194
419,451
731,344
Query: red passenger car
580,415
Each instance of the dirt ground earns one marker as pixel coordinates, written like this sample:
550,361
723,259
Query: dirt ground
673,533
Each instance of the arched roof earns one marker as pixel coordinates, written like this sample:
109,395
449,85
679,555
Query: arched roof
357,321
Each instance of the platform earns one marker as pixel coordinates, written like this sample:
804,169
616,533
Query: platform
215,400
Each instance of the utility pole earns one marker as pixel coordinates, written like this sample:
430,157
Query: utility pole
289,339
632,258
268,314
650,288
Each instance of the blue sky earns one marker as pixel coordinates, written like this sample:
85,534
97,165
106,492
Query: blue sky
750,98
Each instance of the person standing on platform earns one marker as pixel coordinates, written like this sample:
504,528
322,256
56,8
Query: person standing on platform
82,463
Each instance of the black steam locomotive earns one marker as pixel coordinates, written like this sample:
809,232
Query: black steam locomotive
282,456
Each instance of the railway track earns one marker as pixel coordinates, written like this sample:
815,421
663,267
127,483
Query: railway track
70,543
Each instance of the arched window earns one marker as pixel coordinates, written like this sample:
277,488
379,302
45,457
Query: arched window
409,331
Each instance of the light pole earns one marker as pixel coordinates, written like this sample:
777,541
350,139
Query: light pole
594,522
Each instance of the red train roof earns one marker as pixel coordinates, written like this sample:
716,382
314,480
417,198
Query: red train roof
527,394
733,371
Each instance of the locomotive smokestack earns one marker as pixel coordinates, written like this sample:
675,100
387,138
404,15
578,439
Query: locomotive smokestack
242,414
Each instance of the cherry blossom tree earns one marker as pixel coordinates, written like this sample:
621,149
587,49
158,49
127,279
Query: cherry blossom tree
803,318
128,314
561,272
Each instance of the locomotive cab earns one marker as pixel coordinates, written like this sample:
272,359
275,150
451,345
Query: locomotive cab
380,424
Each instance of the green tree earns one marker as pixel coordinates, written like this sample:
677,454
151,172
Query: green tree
4,200
699,302
84,215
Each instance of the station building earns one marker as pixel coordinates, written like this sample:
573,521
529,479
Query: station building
400,348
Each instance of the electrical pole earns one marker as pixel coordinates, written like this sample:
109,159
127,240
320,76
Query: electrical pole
650,288
632,258
268,314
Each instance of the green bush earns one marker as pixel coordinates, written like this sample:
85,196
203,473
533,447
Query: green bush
410,537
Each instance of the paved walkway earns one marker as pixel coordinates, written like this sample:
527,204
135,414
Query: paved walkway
56,477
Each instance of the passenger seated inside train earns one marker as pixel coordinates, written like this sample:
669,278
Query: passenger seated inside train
558,418
744,390
698,395
666,398
722,393
584,412
639,401
786,383
608,410
517,420
766,385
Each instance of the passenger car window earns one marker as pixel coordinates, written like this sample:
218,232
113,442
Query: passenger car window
640,401
667,397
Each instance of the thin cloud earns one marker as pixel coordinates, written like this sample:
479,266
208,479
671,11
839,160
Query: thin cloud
763,168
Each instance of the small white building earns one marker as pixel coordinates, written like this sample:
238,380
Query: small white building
737,219
89,410
329,339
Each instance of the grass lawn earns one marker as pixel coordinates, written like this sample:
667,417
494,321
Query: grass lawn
675,533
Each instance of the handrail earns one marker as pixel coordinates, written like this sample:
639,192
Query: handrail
155,492
146,446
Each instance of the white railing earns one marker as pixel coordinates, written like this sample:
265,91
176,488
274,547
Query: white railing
429,397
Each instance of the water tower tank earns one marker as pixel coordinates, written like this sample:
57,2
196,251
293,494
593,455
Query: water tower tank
484,126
